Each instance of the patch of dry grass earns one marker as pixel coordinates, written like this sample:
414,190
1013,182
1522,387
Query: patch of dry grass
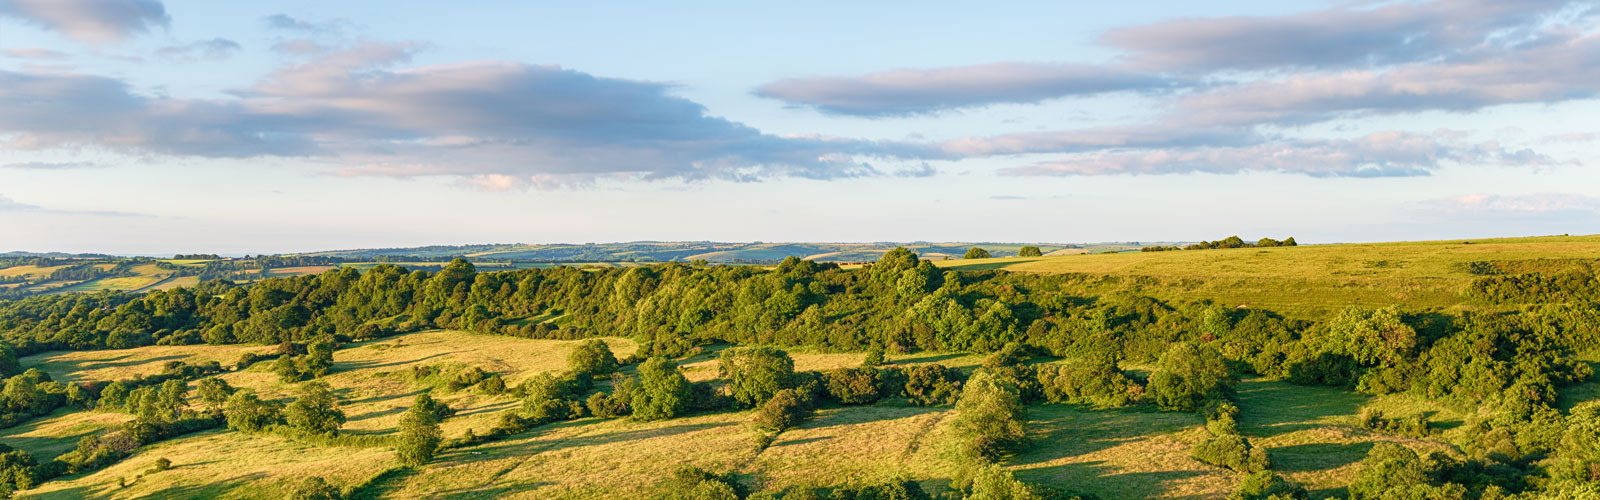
221,464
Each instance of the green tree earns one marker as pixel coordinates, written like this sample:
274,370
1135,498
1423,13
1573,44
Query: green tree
755,373
592,358
989,416
1029,251
662,393
976,253
1189,375
214,391
248,413
419,433
315,411
314,488
786,409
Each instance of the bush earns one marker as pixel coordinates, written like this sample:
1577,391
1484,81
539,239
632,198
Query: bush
592,358
874,356
245,412
315,411
893,489
786,409
1265,485
1095,381
1188,375
755,373
663,391
932,385
854,386
1232,451
314,488
989,417
693,483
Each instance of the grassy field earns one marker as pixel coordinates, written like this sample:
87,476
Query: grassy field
623,459
1118,454
221,464
1312,281
120,364
1311,432
58,432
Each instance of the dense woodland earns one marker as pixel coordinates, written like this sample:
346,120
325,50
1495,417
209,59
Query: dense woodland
1511,357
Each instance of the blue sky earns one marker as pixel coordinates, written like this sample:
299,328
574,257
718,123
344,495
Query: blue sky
147,126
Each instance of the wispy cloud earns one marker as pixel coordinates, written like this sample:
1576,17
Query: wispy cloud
45,165
9,205
213,49
1353,34
90,21
35,53
917,91
1538,203
1383,154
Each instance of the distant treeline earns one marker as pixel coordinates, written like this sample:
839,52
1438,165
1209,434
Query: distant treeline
1229,242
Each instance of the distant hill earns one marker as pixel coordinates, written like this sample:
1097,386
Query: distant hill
717,252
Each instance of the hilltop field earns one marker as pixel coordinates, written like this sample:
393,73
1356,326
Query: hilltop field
1446,369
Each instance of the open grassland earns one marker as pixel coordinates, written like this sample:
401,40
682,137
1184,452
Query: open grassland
122,364
374,384
1311,281
28,271
623,459
1311,432
221,464
57,433
1118,454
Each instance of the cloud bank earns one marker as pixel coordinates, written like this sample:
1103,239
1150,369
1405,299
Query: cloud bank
90,21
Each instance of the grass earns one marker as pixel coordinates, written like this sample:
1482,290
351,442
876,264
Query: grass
120,364
58,432
622,459
1313,281
220,464
373,384
1311,432
1118,454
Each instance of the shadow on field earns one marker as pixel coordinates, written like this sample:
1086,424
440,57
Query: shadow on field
1106,482
344,366
1062,431
1270,408
538,441
1318,456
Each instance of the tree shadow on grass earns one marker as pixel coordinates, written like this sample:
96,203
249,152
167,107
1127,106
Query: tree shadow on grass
1318,456
1062,431
1101,480
1271,408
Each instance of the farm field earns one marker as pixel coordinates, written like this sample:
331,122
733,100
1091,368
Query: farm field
1312,281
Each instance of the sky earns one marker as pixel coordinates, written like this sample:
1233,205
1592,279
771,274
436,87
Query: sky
168,126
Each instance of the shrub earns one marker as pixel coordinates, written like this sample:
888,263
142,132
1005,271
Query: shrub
663,391
245,412
874,356
315,411
593,358
892,489
854,386
419,432
786,409
932,385
1232,451
989,417
1265,485
1095,381
1188,375
314,488
755,373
